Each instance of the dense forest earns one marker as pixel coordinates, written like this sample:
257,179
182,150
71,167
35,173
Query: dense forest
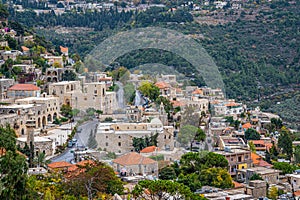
258,54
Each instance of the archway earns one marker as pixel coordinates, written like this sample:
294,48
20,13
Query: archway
39,122
44,121
22,131
49,118
54,116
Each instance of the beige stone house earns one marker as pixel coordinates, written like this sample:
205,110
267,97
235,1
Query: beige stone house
84,96
135,164
18,91
118,137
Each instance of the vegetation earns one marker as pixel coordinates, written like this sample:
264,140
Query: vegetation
143,142
162,189
285,143
13,166
149,90
198,169
189,134
251,134
286,168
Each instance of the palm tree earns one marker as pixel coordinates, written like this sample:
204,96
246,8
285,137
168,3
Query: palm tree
40,160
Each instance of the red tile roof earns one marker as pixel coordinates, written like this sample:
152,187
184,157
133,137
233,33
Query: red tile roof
133,158
231,104
297,193
149,149
198,91
63,49
60,164
177,103
24,48
237,185
162,85
247,125
26,87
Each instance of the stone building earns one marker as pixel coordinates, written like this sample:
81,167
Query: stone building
50,104
271,176
18,91
257,189
41,144
118,137
135,164
237,159
56,74
82,97
4,85
42,110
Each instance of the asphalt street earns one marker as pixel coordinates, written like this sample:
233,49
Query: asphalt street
82,136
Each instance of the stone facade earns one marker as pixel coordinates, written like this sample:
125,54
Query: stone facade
237,159
91,95
257,189
135,164
4,85
118,137
42,110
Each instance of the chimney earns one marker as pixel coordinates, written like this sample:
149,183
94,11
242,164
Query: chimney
227,198
30,125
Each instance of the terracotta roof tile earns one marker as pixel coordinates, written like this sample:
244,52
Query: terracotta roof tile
26,87
162,85
149,149
61,164
231,104
255,158
177,103
24,48
63,49
247,125
297,193
198,91
237,185
133,158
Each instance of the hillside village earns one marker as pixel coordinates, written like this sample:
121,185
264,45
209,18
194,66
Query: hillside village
161,130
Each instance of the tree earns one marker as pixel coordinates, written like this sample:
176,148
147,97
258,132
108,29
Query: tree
90,111
162,190
187,134
216,177
285,143
40,160
256,177
96,178
277,123
251,134
189,116
166,103
190,180
99,112
13,166
286,168
149,90
297,154
273,192
167,173
69,75
194,162
66,111
252,147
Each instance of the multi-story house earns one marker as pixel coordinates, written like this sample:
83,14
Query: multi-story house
19,91
118,137
237,159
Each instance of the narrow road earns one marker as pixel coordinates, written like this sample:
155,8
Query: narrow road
82,136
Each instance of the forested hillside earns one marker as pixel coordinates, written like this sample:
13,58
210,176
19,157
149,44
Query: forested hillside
257,53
